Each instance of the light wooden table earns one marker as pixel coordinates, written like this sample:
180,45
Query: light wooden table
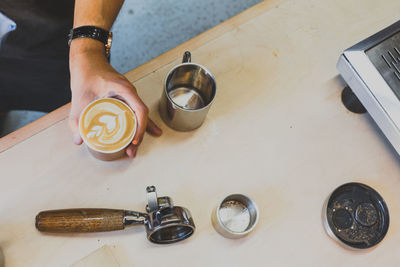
277,131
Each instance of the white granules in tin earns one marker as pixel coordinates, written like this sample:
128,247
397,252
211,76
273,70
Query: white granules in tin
234,216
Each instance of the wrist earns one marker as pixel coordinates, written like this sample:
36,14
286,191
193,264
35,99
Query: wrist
87,60
86,50
86,45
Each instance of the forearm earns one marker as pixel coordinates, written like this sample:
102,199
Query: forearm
100,13
92,76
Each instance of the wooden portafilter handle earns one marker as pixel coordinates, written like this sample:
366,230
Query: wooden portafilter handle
80,220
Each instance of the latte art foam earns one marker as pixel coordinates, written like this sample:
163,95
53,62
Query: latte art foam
107,125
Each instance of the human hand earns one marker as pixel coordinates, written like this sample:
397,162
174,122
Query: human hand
92,77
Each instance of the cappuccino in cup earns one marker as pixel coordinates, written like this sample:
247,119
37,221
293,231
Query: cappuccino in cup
107,126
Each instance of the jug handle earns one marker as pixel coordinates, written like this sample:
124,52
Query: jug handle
187,57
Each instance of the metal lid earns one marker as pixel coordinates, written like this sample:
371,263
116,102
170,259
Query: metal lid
357,216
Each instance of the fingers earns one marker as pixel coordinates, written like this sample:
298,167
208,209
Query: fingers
143,122
131,151
141,115
74,126
152,128
141,112
125,91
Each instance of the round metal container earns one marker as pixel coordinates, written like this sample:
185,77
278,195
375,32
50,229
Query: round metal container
356,216
235,216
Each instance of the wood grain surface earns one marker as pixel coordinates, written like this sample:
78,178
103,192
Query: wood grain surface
80,220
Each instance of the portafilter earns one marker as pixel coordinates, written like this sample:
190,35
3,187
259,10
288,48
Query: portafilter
164,222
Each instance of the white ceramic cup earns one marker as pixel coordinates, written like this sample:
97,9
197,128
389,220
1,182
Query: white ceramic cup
107,127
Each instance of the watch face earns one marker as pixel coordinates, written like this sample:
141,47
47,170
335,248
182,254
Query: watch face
109,42
385,56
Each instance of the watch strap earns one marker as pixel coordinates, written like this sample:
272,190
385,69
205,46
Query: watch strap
92,32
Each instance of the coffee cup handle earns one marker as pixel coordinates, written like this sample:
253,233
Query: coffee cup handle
187,57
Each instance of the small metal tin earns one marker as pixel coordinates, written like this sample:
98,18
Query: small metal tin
235,216
356,216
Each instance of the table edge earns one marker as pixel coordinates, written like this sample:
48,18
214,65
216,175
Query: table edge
62,112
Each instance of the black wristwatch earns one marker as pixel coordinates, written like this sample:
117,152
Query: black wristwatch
93,32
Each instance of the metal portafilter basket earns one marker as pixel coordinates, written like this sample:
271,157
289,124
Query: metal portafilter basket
164,222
